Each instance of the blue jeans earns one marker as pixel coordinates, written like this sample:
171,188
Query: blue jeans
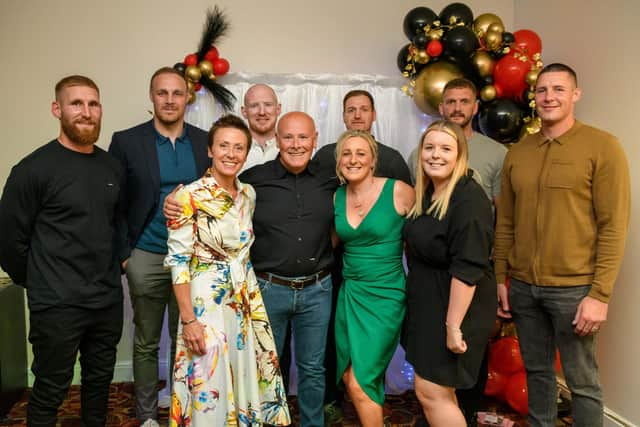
308,311
543,316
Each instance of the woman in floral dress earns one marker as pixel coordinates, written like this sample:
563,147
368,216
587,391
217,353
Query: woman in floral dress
226,369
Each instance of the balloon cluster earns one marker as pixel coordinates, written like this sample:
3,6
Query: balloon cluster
507,379
503,65
201,68
209,68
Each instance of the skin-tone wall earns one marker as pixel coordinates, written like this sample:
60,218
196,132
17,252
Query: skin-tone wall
598,40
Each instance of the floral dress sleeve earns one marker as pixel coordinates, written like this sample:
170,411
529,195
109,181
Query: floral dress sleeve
181,241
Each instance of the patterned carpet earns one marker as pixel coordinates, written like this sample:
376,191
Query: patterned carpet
403,410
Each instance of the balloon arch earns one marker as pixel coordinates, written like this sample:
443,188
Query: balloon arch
503,65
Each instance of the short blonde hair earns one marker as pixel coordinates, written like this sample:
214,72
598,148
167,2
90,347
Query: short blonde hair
373,146
440,205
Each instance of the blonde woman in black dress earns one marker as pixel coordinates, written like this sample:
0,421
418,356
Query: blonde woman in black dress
451,287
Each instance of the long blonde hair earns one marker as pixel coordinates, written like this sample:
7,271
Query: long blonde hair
373,146
438,208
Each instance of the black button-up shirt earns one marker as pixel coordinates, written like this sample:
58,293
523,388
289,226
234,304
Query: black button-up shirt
292,220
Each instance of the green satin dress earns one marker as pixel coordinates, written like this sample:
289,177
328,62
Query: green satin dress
371,301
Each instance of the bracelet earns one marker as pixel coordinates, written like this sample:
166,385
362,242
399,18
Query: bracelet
188,322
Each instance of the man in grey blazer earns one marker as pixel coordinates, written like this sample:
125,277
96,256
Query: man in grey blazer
156,156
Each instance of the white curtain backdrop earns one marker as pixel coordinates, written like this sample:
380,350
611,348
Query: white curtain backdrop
399,124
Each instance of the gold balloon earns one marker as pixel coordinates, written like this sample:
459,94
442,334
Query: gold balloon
192,97
496,27
483,63
488,93
493,40
190,85
430,84
193,73
482,22
422,57
532,77
206,68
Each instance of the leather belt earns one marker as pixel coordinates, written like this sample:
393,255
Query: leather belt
296,284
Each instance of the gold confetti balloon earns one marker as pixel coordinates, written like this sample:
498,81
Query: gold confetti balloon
488,93
193,73
483,63
482,22
430,84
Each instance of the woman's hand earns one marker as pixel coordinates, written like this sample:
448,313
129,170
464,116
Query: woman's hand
193,337
455,343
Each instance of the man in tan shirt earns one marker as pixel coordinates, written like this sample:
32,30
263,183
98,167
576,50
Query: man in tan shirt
562,223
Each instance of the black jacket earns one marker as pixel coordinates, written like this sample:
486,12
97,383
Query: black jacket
135,148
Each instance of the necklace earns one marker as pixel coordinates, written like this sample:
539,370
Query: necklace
361,204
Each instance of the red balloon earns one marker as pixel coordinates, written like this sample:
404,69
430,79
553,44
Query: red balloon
504,356
197,87
500,94
510,75
517,394
434,48
496,383
220,67
191,59
212,55
527,42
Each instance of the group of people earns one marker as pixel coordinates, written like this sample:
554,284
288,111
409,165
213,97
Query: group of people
245,237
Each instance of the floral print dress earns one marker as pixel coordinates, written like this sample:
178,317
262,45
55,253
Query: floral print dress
237,382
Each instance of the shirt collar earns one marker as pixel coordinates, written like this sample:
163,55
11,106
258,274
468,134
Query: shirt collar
280,171
562,139
241,186
161,139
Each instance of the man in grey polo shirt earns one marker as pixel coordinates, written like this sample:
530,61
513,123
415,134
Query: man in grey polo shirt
459,104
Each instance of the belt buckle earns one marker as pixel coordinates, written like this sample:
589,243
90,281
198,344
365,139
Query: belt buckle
297,284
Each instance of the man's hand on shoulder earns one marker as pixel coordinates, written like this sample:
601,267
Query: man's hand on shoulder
590,315
171,209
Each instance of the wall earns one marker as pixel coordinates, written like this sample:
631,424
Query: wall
599,39
120,43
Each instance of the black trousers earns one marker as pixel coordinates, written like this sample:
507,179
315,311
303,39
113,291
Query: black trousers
57,335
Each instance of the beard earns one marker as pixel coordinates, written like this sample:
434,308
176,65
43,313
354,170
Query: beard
80,136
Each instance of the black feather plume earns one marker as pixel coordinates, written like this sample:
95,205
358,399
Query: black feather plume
220,93
214,27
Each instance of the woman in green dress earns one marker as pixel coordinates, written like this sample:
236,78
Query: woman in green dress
369,216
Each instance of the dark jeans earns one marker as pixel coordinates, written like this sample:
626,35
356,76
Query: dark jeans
307,312
56,335
543,316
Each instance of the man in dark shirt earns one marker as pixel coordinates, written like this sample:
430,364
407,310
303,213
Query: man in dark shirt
58,229
156,156
292,253
359,113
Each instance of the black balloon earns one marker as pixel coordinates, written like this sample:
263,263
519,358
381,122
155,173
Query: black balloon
508,38
179,66
420,41
416,20
460,42
488,80
502,120
456,12
402,60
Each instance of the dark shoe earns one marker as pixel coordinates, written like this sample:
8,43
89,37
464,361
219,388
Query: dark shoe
332,414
